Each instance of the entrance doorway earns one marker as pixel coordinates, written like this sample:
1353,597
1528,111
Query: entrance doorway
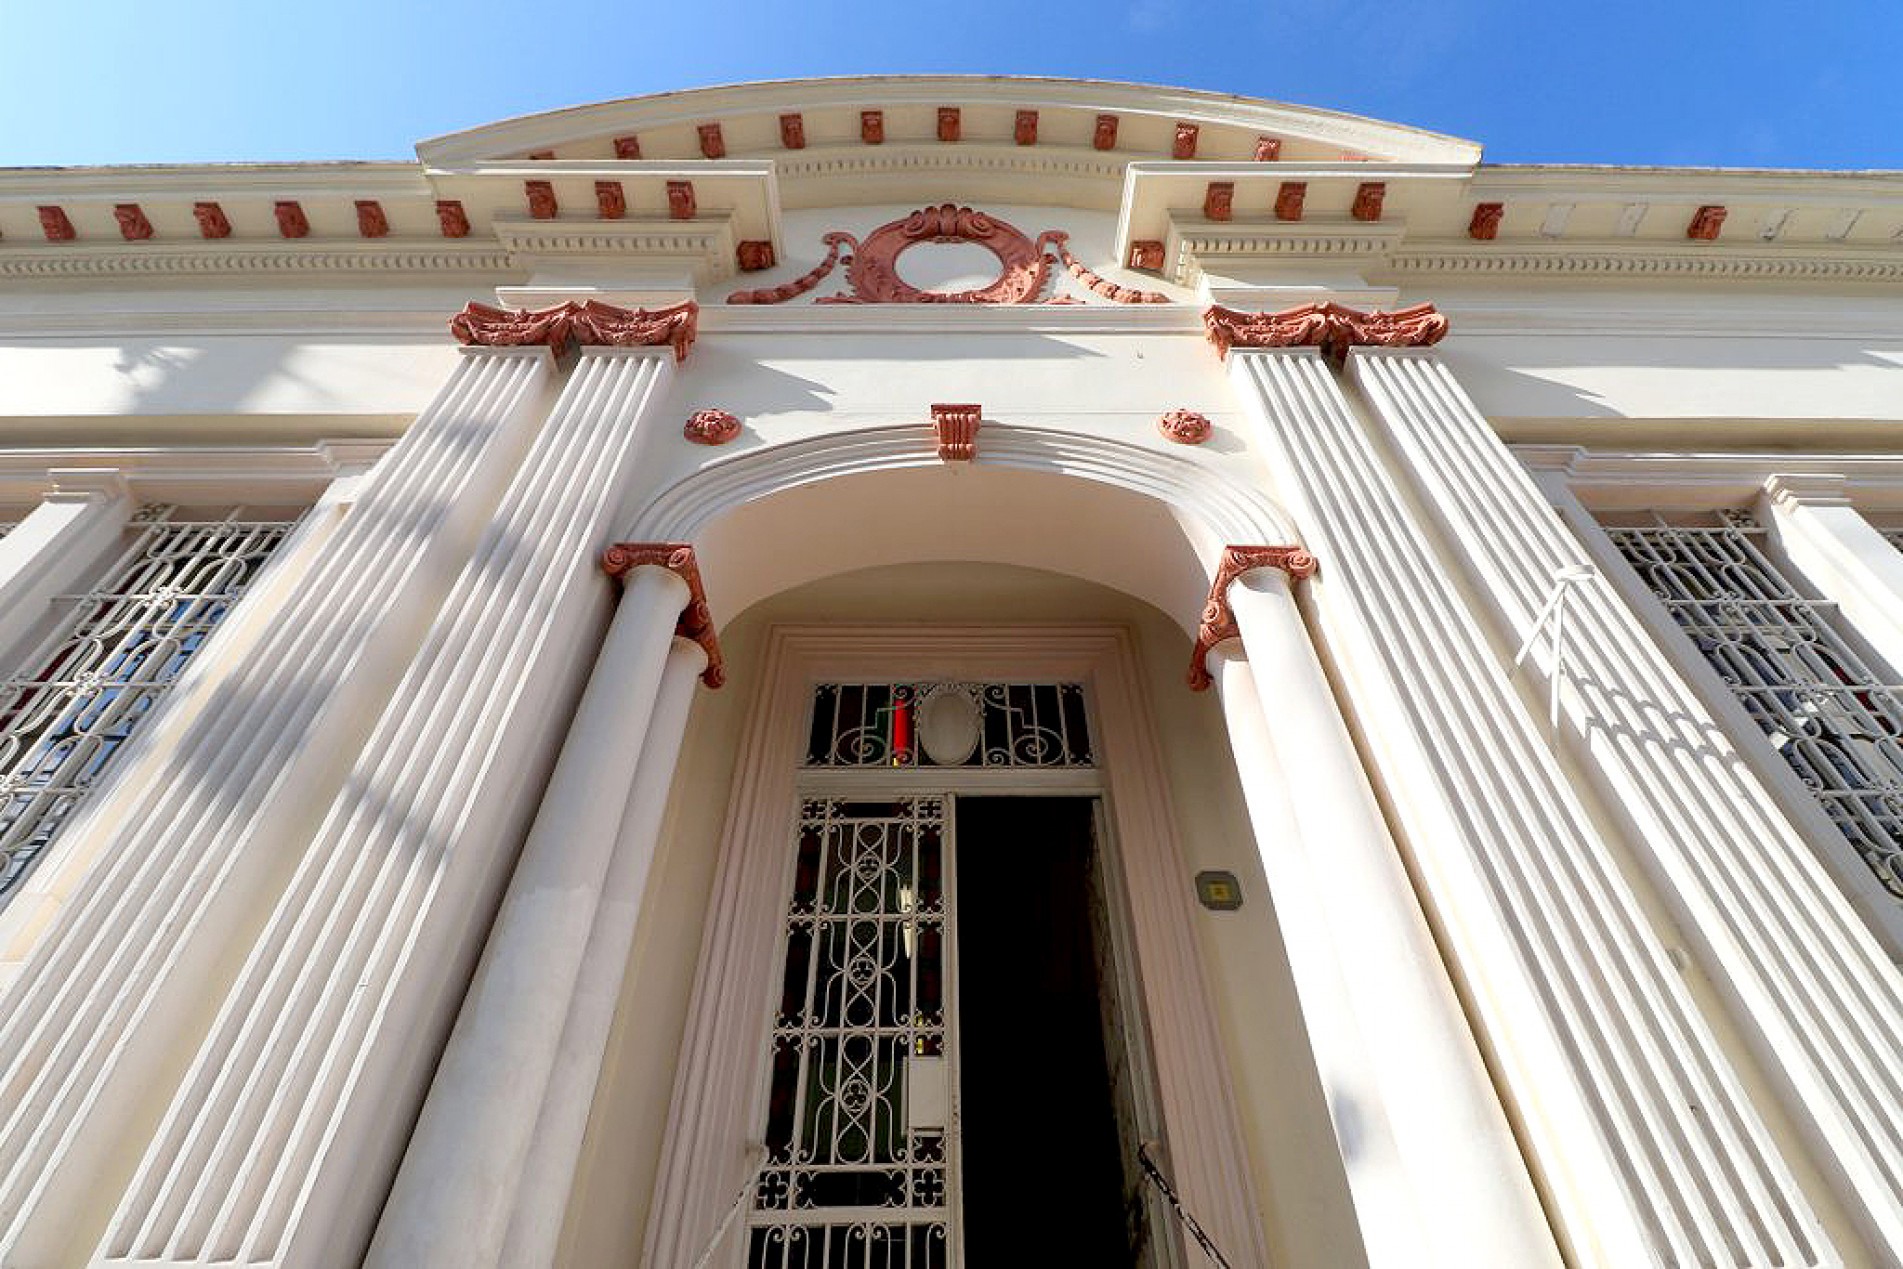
954,1070
1046,1116
953,1076
776,1104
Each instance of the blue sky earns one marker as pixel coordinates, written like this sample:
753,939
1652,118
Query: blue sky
1744,83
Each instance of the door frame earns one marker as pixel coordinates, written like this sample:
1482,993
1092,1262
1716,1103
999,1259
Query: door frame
720,1082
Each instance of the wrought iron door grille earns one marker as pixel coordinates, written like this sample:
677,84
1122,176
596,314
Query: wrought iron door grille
107,664
1835,720
1013,724
854,1176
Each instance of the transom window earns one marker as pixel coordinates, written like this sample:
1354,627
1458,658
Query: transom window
113,654
1831,713
948,725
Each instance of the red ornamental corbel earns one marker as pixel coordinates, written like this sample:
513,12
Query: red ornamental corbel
957,430
680,200
212,221
950,125
541,196
1219,620
1024,129
872,127
1104,137
611,201
1706,223
371,221
133,224
628,147
1219,200
1268,149
1146,253
753,255
1369,198
1289,199
292,222
696,621
455,221
57,225
1485,225
712,144
1185,144
792,132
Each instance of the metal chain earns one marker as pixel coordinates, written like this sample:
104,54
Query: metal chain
1155,1176
757,1157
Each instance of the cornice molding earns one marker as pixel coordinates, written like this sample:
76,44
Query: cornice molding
147,260
1634,261
709,235
1068,162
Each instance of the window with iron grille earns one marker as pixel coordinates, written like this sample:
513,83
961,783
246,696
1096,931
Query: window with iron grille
111,656
1834,714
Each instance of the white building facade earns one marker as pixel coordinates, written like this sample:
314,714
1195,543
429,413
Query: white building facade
950,672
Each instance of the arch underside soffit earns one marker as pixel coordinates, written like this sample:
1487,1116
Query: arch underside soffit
1150,525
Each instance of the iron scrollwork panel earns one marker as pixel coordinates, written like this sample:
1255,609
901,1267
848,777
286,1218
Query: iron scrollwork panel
854,1176
118,650
1823,707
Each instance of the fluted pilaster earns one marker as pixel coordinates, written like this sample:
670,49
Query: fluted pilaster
1809,987
190,846
280,1144
1647,1146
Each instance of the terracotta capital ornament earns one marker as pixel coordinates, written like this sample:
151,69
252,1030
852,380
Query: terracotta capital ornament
1333,328
587,322
1219,620
696,621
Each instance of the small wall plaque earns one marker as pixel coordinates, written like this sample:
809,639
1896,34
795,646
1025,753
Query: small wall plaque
1219,891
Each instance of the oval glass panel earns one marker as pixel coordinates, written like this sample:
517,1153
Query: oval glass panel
949,726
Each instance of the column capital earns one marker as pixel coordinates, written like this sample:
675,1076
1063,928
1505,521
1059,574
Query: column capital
585,322
696,622
1219,620
1333,328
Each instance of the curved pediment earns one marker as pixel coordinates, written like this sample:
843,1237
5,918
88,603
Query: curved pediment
1024,140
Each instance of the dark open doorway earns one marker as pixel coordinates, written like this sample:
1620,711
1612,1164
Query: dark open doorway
1043,1127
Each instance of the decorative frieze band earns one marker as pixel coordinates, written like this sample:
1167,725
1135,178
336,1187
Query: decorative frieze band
1333,328
1219,620
696,620
586,322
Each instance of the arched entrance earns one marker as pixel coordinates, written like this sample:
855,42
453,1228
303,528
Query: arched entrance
869,528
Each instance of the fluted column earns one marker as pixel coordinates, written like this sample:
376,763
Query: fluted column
1647,1147
1845,556
1429,1158
494,1152
47,553
280,1144
1807,984
185,851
